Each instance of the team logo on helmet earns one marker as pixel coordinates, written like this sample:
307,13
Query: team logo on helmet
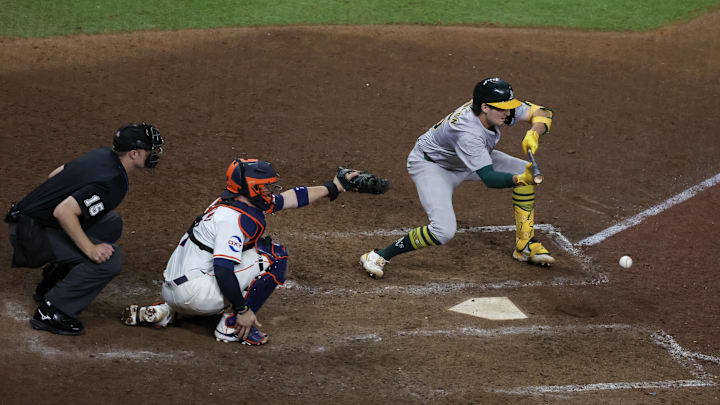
254,179
494,92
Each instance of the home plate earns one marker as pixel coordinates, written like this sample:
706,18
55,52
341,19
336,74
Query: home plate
495,308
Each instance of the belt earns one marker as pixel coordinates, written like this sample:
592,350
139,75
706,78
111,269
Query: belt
427,157
190,275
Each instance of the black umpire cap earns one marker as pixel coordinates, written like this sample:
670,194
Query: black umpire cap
134,136
140,136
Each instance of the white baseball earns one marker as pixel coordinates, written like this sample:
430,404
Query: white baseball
626,262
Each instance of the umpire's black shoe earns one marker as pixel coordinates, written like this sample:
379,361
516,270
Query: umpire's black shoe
52,274
49,318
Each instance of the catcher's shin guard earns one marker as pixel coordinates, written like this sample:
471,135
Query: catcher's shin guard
158,315
264,284
527,249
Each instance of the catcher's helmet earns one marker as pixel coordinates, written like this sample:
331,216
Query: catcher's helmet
496,92
254,179
140,136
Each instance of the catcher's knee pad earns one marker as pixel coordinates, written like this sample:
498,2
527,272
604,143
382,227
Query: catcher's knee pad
264,284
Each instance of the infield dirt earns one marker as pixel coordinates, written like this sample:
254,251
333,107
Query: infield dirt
635,123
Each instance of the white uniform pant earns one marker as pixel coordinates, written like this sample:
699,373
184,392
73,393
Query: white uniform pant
435,186
199,293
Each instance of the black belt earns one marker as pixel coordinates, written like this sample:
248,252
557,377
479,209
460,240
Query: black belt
191,275
180,280
427,157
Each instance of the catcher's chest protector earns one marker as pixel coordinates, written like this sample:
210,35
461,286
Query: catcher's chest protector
251,224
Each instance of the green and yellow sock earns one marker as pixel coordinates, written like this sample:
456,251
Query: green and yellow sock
417,238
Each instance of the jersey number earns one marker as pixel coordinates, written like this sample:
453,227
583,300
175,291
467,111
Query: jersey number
94,205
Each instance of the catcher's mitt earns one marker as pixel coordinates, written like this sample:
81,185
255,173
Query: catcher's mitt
364,182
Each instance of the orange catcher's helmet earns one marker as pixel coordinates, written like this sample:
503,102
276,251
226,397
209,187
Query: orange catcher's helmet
254,179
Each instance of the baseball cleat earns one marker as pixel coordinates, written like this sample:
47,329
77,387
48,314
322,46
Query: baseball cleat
225,329
225,332
158,315
255,338
534,253
48,317
373,263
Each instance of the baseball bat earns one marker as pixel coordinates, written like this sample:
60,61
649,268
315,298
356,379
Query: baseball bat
535,169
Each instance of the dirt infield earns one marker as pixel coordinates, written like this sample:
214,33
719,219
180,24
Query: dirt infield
635,124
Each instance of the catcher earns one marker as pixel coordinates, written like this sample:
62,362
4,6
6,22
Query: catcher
461,147
224,265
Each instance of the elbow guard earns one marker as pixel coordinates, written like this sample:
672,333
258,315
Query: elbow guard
545,120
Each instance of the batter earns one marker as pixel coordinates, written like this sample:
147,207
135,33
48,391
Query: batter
461,147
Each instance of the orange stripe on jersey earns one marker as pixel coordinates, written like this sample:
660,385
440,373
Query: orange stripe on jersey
235,259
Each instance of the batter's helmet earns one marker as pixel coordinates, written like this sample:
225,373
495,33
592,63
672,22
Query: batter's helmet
140,136
254,179
496,92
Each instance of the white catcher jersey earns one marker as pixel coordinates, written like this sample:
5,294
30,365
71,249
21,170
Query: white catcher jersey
460,142
219,229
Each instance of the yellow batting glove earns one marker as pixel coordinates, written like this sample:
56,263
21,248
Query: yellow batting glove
530,141
525,178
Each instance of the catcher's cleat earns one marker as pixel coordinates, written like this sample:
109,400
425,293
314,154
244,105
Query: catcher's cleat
373,263
225,332
255,338
534,252
48,317
158,315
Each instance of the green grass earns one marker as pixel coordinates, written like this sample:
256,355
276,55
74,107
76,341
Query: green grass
42,18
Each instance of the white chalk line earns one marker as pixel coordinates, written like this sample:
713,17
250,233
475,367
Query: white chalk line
36,341
683,357
635,220
595,277
577,388
16,311
512,330
686,359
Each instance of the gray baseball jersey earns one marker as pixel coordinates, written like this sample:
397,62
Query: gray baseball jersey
458,146
460,142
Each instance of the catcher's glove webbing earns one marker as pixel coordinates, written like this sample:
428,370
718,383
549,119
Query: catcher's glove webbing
364,182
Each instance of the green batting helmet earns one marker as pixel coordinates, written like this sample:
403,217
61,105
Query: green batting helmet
496,92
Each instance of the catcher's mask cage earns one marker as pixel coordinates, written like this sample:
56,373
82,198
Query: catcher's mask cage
140,136
496,93
253,178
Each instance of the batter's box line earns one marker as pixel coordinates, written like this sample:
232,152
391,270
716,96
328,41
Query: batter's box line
657,209
683,357
586,265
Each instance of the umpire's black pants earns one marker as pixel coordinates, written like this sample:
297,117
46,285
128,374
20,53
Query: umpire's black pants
87,278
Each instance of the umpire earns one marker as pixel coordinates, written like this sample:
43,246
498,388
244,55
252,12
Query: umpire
68,223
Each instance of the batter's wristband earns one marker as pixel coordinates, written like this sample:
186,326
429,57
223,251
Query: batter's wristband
332,189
